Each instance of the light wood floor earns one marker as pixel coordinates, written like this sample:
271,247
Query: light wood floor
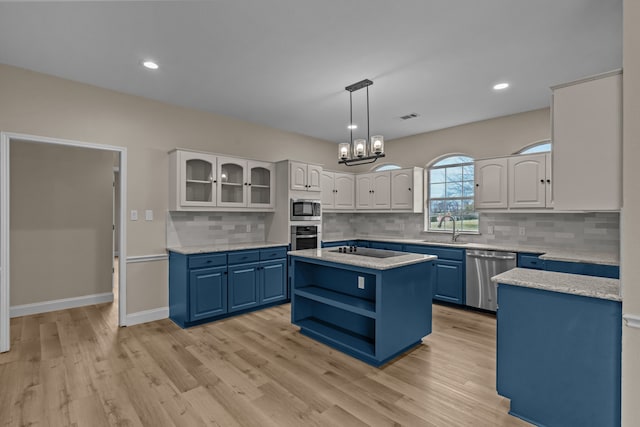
75,367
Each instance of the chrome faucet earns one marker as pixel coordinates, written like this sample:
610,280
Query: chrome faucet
454,235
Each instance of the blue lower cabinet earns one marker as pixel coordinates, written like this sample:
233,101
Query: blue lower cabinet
448,281
336,244
530,261
387,245
273,281
207,293
211,286
559,357
243,286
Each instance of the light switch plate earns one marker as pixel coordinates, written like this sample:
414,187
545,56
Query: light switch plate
490,229
148,215
521,231
134,215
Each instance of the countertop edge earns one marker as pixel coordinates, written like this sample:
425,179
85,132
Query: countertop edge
202,249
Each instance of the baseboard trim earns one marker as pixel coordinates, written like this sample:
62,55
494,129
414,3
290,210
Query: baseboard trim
632,320
147,316
147,258
59,304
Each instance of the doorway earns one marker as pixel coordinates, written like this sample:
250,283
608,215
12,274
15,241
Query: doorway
5,144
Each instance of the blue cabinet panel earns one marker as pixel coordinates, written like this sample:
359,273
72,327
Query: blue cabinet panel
559,357
207,260
273,281
530,261
598,270
273,253
243,257
338,243
439,251
207,292
243,286
387,245
448,281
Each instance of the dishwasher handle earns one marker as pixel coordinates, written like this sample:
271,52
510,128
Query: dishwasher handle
491,256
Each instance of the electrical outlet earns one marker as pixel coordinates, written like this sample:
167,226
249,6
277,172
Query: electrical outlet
490,229
134,215
360,282
148,215
248,228
521,231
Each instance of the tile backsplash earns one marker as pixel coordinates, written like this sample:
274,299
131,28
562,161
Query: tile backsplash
210,228
593,232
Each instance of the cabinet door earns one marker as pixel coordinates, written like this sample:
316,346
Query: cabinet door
328,191
261,190
381,190
313,177
491,183
364,184
549,172
402,189
273,283
243,286
448,281
298,176
197,179
527,181
232,182
345,191
207,292
587,145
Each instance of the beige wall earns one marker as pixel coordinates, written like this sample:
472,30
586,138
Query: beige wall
495,137
630,226
43,105
60,222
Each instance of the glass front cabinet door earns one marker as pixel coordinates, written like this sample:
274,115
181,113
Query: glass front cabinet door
198,178
232,181
261,184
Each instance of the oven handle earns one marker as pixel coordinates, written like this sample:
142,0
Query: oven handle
490,256
306,236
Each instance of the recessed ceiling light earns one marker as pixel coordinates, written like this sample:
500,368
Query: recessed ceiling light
150,65
500,86
352,126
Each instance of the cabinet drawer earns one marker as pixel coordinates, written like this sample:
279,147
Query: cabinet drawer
439,251
530,261
273,253
387,246
242,257
207,260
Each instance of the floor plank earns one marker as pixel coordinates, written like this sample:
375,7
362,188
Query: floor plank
76,367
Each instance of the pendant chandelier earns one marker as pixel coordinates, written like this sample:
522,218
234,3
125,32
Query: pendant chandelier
360,151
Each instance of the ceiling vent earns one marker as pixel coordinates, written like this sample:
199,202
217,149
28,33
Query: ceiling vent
409,116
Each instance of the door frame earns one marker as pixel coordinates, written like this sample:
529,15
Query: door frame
5,142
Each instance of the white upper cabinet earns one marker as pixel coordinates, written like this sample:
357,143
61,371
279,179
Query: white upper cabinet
202,181
373,190
491,183
304,177
587,144
407,189
528,182
338,190
364,185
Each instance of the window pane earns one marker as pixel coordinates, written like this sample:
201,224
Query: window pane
540,148
436,175
454,189
452,160
454,173
467,188
467,173
388,167
436,190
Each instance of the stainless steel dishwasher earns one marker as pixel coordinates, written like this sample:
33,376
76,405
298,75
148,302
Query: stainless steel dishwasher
481,267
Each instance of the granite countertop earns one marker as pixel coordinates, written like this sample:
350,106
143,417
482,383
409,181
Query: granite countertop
224,247
569,254
330,254
575,284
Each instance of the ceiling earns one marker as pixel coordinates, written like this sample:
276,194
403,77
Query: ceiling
285,63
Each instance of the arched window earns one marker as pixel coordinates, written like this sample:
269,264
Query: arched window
386,167
538,147
450,186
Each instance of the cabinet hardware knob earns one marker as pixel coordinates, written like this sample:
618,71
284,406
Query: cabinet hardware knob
249,184
477,185
542,181
548,181
409,188
225,273
214,181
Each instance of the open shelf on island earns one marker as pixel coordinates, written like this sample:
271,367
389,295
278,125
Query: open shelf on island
339,336
336,299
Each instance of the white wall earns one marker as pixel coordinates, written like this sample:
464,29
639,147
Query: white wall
630,227
38,104
60,222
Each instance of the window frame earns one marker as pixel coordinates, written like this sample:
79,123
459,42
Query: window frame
526,148
427,196
386,167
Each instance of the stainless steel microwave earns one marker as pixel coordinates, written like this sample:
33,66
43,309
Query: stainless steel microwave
305,210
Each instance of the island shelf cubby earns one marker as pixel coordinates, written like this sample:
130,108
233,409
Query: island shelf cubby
373,315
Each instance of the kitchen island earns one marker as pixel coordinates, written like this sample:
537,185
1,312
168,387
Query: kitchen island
372,304
548,323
